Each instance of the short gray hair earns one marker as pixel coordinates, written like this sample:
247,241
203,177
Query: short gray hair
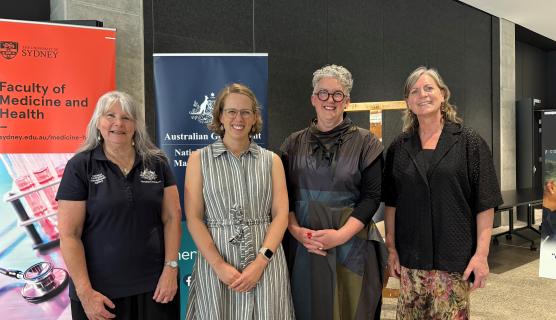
143,144
337,72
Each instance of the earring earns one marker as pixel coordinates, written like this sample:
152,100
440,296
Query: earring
221,127
132,143
99,136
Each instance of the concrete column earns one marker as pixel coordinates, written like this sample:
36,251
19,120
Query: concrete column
507,105
127,17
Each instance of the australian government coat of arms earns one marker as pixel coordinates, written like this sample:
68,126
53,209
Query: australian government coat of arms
202,112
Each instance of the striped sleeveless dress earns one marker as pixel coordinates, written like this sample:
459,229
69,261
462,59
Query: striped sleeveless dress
237,195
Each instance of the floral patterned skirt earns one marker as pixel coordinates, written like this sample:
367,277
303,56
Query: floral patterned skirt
432,294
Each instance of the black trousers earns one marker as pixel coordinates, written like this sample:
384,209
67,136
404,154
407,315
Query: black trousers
137,307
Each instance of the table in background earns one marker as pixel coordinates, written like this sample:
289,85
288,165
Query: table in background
531,198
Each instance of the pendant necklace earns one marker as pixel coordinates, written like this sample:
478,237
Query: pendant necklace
124,169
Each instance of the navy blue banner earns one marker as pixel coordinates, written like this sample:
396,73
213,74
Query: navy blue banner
185,91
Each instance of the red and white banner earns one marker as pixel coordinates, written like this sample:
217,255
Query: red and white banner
51,76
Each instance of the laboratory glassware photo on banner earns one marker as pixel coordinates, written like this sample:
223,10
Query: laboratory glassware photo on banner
186,86
51,76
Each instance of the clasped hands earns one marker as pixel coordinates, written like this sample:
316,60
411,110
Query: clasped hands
318,241
241,281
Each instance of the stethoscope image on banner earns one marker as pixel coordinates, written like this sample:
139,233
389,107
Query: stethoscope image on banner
42,281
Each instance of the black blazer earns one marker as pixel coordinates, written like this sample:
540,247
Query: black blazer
435,224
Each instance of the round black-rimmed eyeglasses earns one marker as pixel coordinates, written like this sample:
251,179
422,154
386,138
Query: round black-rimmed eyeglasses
337,96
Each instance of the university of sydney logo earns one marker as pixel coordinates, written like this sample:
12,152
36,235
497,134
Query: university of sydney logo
8,49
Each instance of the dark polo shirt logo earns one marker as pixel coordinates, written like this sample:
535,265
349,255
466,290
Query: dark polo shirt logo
98,178
148,176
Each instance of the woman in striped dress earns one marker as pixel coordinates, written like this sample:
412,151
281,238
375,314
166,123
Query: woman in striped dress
236,206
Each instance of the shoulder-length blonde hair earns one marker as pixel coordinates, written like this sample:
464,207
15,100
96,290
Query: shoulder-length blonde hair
216,126
448,110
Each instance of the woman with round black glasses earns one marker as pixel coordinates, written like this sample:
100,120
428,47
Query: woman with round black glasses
334,171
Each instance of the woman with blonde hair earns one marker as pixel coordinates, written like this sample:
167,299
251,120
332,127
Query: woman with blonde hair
236,204
440,191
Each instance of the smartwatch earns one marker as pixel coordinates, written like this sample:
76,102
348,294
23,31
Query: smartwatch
171,263
267,253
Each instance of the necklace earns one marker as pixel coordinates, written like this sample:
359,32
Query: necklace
124,168
124,165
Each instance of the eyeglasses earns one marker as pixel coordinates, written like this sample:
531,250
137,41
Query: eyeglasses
337,96
232,113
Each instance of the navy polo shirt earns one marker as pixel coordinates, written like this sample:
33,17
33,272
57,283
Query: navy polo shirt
123,234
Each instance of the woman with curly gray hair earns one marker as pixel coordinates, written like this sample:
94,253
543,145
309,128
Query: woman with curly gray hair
334,177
